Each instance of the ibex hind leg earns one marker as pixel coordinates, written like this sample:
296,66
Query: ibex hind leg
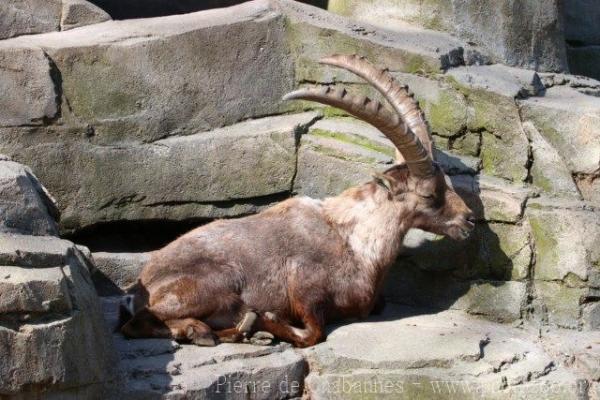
145,324
199,311
192,330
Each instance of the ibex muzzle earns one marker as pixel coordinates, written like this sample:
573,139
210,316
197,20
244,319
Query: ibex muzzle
304,262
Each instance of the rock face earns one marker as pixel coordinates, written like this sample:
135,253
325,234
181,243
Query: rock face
446,355
51,327
25,205
24,17
76,13
114,273
26,76
179,120
528,34
137,147
54,340
118,126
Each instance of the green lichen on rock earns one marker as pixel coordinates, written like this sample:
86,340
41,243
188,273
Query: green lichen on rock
442,143
100,98
563,304
504,147
468,144
328,151
509,251
539,179
447,116
332,112
500,301
354,139
344,7
505,157
545,242
309,43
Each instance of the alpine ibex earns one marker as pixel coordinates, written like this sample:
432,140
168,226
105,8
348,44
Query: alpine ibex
304,262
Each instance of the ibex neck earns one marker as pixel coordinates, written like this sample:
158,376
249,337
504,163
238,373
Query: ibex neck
372,226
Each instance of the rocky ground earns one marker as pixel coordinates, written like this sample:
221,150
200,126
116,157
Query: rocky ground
120,135
405,353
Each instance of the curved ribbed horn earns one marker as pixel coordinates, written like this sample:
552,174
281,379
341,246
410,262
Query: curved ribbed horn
398,95
373,112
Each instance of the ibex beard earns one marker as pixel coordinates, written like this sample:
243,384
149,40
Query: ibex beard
302,263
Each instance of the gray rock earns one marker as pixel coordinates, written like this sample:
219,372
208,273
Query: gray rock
138,102
495,250
228,371
412,354
26,290
117,271
520,33
54,335
591,320
30,95
174,178
548,171
565,240
506,81
582,84
33,252
345,346
565,236
502,202
577,349
455,164
560,304
499,301
314,33
23,17
76,13
492,199
25,205
494,115
589,187
322,173
568,120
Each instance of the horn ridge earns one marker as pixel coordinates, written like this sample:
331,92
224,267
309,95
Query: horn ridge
374,113
401,99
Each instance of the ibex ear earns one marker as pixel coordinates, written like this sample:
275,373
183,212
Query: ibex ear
384,181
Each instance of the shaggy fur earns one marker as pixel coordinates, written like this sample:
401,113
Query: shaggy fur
297,265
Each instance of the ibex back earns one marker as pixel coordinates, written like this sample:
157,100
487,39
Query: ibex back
304,262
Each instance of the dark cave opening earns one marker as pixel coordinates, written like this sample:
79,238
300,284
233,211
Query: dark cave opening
132,236
129,9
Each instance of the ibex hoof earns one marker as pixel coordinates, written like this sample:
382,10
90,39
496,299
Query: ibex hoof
207,341
247,322
201,338
262,338
270,316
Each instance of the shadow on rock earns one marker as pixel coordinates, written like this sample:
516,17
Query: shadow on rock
479,275
128,9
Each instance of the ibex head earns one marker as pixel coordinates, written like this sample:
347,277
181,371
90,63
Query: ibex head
417,184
